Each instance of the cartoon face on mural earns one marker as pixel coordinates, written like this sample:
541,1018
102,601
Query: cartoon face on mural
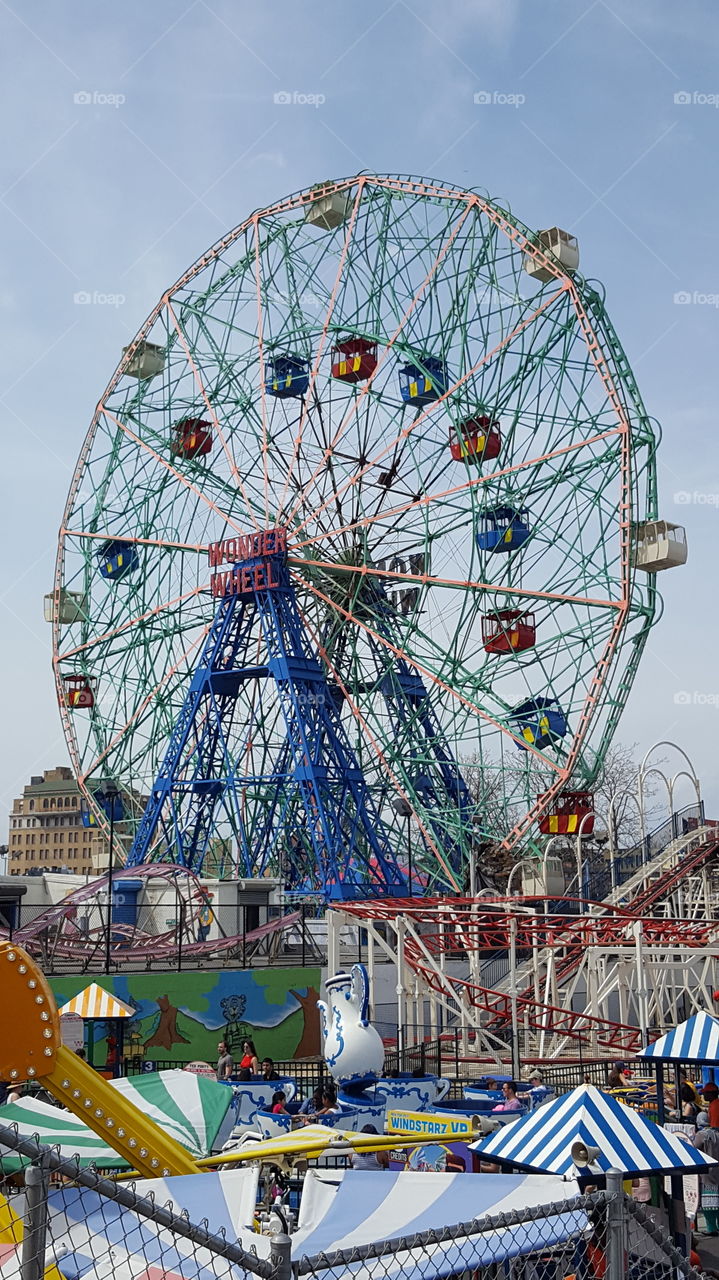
236,1030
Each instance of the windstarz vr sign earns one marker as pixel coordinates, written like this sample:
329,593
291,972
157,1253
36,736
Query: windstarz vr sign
254,556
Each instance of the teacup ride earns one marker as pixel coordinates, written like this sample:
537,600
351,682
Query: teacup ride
249,1097
410,1092
481,1110
354,1054
271,1124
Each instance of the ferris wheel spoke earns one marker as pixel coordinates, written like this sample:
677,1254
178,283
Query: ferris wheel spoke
261,364
322,341
144,704
133,622
215,421
181,480
352,411
471,483
137,541
423,671
433,580
422,417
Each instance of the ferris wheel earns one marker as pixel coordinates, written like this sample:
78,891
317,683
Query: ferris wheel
346,585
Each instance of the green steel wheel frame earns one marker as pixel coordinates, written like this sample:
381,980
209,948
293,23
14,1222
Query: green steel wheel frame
371,497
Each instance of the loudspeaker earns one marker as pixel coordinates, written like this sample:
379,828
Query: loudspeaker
582,1155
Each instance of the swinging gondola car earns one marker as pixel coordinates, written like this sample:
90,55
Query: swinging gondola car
540,722
147,360
71,606
193,438
571,811
112,806
508,631
354,359
659,545
475,440
328,211
117,559
288,376
420,385
78,692
503,528
561,245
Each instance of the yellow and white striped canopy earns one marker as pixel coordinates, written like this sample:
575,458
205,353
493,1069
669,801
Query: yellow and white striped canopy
94,1002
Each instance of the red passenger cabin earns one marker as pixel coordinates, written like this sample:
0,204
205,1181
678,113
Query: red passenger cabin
571,812
78,691
354,359
193,438
508,631
476,440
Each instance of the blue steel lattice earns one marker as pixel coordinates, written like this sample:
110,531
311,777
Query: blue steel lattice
322,830
436,779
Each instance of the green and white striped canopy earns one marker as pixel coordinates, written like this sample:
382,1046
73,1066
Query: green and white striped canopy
55,1127
191,1108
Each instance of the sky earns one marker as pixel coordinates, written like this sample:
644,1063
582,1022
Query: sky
135,135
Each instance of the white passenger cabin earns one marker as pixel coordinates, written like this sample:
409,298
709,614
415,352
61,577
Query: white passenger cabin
533,878
148,360
70,606
329,211
659,545
561,245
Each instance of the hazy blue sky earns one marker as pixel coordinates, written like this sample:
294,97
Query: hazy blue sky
181,138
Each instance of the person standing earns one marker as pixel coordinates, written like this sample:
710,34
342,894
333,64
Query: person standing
249,1057
224,1061
706,1139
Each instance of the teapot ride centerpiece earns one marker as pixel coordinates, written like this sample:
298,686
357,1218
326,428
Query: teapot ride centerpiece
353,1048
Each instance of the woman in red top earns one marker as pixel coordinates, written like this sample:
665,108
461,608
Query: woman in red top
249,1061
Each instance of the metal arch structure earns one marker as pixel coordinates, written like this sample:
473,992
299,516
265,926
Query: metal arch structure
363,476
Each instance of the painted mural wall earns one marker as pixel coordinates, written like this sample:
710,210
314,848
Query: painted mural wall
182,1016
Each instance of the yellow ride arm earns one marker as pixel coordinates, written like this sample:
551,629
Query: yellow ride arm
31,1049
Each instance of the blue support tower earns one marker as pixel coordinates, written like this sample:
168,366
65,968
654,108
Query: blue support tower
320,826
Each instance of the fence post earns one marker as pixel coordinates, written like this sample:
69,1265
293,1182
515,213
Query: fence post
616,1226
280,1256
32,1265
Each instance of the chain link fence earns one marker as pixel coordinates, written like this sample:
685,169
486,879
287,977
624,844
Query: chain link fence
62,1221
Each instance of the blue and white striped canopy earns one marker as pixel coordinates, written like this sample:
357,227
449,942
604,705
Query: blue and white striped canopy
696,1040
94,1238
626,1140
359,1207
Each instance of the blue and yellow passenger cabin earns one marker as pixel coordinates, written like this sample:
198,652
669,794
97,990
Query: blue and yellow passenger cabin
503,528
287,376
420,385
112,807
539,721
117,558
